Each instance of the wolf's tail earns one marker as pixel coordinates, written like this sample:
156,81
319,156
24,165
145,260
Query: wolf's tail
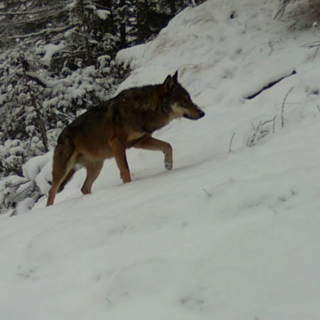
63,167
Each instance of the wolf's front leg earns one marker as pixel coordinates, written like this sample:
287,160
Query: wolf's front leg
119,153
149,143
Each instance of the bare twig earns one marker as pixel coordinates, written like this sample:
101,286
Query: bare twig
231,140
13,213
208,194
283,105
268,121
311,45
283,6
260,131
271,47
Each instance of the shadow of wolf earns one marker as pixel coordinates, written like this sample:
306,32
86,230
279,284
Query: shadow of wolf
125,121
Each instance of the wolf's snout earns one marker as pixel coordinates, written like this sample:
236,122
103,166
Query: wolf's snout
194,113
201,114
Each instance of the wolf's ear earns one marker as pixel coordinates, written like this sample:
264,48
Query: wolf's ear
175,77
168,83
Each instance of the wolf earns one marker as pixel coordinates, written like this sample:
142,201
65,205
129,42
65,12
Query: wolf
125,121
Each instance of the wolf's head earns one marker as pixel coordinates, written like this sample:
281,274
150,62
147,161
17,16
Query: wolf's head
179,100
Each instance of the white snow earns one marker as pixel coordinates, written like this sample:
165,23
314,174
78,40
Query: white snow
72,5
102,14
50,49
34,166
224,235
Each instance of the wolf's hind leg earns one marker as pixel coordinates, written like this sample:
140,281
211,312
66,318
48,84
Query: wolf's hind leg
93,171
149,143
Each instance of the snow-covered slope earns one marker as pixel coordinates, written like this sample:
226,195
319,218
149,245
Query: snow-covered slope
225,235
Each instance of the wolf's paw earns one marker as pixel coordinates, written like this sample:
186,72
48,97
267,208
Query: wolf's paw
168,165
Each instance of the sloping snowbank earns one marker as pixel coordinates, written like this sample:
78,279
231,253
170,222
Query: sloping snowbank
225,235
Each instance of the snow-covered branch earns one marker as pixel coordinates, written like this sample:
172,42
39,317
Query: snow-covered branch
31,12
43,32
41,81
